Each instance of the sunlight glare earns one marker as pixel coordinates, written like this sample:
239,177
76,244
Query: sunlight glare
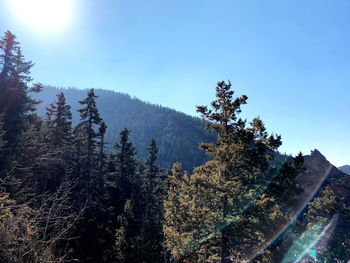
43,15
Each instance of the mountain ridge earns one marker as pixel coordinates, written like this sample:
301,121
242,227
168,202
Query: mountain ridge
177,134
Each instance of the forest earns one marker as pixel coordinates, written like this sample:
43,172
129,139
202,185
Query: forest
67,194
177,135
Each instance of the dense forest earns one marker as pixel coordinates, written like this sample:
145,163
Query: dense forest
177,135
65,198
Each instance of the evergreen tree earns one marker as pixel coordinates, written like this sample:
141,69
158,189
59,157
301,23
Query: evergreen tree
90,182
59,120
26,176
284,187
121,196
339,246
154,185
87,151
322,208
54,162
149,180
125,163
175,212
126,245
223,201
15,103
308,227
90,117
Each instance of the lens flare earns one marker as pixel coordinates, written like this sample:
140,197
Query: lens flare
298,211
309,239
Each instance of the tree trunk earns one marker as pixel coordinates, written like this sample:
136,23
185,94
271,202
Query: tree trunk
225,249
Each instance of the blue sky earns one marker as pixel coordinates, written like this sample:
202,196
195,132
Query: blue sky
291,58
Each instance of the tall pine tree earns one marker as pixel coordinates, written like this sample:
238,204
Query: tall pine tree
59,120
90,182
222,206
89,118
128,181
153,192
15,103
125,163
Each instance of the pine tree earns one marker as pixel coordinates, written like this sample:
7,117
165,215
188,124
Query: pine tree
125,163
89,117
339,247
59,120
226,193
175,213
284,187
90,181
87,151
322,208
54,159
15,103
153,191
121,191
150,180
126,245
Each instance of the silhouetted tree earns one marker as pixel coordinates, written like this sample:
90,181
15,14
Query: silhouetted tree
15,103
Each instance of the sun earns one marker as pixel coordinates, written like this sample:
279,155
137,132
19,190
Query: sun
44,15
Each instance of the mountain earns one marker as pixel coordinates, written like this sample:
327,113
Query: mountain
177,135
345,169
319,171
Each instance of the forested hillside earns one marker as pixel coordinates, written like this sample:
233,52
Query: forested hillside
65,198
177,135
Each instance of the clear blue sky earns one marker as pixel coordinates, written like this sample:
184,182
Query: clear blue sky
291,58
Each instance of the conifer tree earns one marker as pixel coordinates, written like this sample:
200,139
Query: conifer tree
36,219
319,213
54,161
175,213
59,120
90,182
16,109
87,150
322,208
125,163
339,247
15,103
284,187
153,190
121,196
90,117
149,179
126,245
223,201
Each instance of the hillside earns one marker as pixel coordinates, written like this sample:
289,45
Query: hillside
177,135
